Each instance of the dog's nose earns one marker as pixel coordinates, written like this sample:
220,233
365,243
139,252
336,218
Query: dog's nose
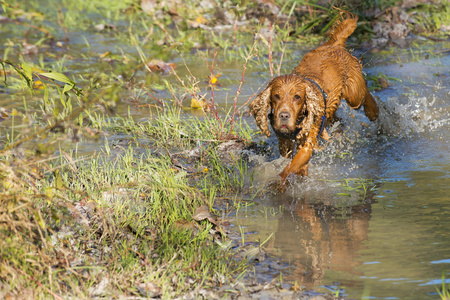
284,115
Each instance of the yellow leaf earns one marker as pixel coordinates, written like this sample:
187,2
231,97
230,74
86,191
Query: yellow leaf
36,69
201,20
58,180
7,184
196,104
39,220
14,112
205,170
105,54
38,85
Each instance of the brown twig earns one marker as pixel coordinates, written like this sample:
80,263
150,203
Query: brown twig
197,88
234,31
154,98
165,31
251,96
281,59
211,85
35,27
220,131
61,23
142,56
270,50
249,56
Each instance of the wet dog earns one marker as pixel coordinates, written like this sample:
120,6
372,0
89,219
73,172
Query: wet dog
298,106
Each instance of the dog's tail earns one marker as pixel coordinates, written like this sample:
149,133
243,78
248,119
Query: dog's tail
342,30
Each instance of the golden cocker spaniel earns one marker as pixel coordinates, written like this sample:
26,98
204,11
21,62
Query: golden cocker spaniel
300,105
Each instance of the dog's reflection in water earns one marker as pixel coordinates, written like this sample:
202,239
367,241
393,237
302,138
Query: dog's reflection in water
316,238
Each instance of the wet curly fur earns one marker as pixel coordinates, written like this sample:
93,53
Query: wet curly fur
295,104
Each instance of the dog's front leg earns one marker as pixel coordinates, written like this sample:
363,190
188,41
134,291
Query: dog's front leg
299,165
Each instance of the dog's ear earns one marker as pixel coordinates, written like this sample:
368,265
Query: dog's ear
260,107
315,107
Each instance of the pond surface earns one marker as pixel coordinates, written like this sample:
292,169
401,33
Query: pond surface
390,240
373,217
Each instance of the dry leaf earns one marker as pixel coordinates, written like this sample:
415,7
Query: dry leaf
255,253
148,6
103,55
103,27
149,289
203,213
384,83
159,65
4,114
184,224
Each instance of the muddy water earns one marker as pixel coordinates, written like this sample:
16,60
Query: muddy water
390,240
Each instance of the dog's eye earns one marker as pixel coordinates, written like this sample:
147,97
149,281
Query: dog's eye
276,96
297,98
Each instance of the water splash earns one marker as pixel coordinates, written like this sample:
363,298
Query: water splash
412,115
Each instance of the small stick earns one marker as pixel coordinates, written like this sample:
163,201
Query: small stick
250,55
270,50
165,31
61,23
281,59
211,85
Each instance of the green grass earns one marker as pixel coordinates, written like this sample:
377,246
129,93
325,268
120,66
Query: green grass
135,203
125,214
444,291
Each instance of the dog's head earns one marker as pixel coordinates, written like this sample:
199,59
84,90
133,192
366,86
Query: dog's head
293,103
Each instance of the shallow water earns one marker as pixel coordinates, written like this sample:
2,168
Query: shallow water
387,239
393,240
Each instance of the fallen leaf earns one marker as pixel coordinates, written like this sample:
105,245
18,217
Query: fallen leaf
149,289
184,224
148,6
159,65
38,85
255,253
100,288
14,113
203,213
29,49
296,287
103,55
4,114
201,20
5,72
103,27
197,104
384,83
